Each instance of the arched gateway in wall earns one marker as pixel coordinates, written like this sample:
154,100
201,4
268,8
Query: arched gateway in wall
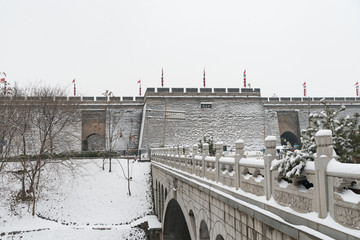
93,130
289,127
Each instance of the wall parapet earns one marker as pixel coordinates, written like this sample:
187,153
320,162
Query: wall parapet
202,92
322,187
310,100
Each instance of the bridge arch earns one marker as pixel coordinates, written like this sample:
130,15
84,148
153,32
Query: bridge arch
218,231
174,210
204,233
219,237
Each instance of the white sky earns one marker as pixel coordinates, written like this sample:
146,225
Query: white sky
112,44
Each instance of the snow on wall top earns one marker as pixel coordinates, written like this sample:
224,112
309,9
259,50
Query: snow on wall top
335,167
270,138
323,132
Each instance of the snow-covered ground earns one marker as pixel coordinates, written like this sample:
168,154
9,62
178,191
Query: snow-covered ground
90,204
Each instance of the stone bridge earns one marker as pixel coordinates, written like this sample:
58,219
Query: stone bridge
238,196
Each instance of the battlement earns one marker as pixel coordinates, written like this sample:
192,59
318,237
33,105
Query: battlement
194,92
307,100
80,99
246,92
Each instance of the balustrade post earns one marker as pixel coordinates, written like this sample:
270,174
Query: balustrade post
219,153
194,153
179,160
239,154
270,154
174,150
186,154
163,154
168,156
205,153
324,153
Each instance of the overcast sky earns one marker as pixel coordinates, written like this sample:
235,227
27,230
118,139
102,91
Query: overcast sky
111,44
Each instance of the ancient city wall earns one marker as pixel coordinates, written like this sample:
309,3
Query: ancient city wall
223,114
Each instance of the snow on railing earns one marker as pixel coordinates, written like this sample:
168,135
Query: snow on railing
326,186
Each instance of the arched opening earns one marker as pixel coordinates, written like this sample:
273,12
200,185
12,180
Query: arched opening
291,138
94,142
156,196
204,231
219,237
175,226
158,200
192,220
162,202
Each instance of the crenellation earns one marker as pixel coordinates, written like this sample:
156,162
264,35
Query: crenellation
61,98
296,99
191,90
88,99
31,98
74,98
277,99
114,99
177,90
205,90
139,99
163,90
101,98
17,98
128,99
219,90
233,90
340,99
47,98
317,99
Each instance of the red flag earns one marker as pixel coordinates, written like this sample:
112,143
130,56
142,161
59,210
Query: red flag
162,77
139,81
204,78
73,81
245,78
2,79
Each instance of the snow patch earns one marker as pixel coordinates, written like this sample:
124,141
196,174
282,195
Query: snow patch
350,196
323,132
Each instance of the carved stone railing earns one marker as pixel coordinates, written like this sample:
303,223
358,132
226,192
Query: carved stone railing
295,195
325,186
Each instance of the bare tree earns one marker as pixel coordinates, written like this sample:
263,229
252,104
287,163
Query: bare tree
40,126
130,142
113,129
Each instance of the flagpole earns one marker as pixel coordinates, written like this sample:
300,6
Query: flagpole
162,77
204,84
4,81
245,78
